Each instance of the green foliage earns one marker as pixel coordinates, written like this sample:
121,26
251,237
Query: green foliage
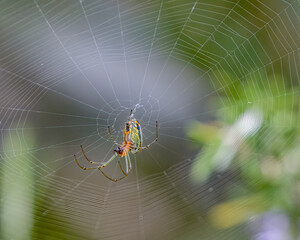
17,204
267,160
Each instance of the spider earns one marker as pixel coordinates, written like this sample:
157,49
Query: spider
132,144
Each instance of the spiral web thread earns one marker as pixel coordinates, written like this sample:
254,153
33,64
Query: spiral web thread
59,85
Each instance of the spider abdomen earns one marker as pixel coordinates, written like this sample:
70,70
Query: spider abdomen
134,135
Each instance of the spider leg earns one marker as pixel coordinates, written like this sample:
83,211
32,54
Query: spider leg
125,173
126,162
98,163
112,158
112,179
155,140
130,166
84,168
98,167
122,169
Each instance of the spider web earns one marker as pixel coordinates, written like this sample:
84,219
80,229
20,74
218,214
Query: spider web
71,68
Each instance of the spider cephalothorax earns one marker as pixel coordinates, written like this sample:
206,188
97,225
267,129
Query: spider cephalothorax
118,150
123,150
132,143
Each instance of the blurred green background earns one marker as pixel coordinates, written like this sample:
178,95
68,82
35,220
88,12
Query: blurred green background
221,77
